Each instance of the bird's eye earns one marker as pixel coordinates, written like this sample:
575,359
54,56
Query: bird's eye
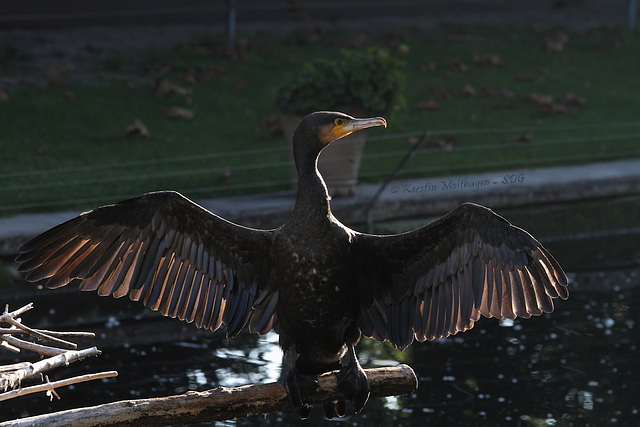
338,122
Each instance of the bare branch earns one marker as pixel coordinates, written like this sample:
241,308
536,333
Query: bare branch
8,346
15,331
56,384
218,404
12,376
11,380
10,319
66,334
18,312
8,368
27,345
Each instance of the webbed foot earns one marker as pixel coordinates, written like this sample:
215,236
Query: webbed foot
354,384
334,409
299,387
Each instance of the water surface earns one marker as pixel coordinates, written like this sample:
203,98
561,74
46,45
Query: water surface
578,366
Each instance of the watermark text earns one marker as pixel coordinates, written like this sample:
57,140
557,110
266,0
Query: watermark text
462,183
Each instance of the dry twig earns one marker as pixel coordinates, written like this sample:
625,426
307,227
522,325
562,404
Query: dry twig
17,337
51,386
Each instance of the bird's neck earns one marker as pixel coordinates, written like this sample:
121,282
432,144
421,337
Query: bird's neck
312,199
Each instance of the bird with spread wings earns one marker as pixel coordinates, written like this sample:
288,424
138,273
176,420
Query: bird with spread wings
316,282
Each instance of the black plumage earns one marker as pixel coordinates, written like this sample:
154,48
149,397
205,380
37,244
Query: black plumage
314,281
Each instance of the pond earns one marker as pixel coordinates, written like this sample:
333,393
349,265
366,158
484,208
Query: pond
578,366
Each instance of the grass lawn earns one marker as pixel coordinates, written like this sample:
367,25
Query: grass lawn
63,143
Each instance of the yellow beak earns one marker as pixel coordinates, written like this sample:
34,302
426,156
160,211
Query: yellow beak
346,126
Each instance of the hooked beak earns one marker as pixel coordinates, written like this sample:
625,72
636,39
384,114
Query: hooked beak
352,125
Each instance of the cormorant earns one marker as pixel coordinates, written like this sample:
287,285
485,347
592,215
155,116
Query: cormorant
317,283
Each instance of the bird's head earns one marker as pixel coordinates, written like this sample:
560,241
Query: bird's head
319,129
329,126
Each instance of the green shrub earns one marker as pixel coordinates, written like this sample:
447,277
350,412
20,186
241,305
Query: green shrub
370,81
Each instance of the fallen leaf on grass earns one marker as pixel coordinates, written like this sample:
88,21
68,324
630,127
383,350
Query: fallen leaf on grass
194,75
524,138
137,128
57,81
178,113
462,38
272,124
243,84
428,105
190,75
429,66
92,48
572,99
487,92
179,45
503,106
403,50
441,92
539,28
524,78
492,59
546,104
162,69
456,64
69,94
395,35
57,73
444,144
215,72
553,108
163,87
556,42
225,174
506,93
4,96
540,99
357,41
202,49
59,69
468,90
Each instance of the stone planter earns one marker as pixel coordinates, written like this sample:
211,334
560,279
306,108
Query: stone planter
339,163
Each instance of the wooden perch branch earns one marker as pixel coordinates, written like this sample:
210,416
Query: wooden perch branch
218,404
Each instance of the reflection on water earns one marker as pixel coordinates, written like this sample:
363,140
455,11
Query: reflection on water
577,366
266,356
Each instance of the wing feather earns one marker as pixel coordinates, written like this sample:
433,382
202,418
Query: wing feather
190,297
497,295
265,312
517,296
